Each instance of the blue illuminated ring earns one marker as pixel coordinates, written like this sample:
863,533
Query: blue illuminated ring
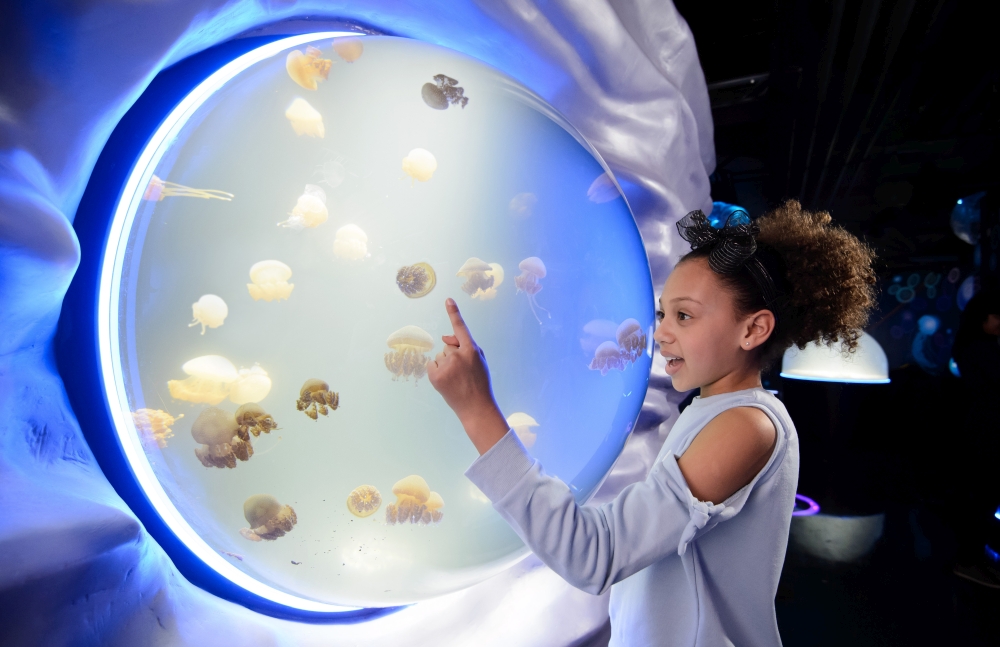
811,506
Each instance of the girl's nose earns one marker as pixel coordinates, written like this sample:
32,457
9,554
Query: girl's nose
662,334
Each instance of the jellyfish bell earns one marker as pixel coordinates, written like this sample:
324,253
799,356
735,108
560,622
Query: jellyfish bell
433,96
521,423
481,278
251,385
270,281
308,68
420,165
522,205
415,503
309,211
631,340
158,189
305,119
209,311
407,358
316,398
532,271
217,434
268,518
602,189
154,426
351,243
607,357
350,48
209,381
416,280
364,501
443,92
252,419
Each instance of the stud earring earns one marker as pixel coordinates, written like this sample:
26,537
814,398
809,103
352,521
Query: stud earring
748,343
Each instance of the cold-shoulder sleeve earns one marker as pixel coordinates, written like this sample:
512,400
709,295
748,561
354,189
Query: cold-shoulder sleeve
594,547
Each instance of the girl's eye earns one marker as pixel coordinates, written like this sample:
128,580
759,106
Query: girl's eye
683,316
660,315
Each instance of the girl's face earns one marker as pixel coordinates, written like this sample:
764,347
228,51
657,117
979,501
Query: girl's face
699,333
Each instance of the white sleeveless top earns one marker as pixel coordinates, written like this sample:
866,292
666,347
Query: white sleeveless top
681,571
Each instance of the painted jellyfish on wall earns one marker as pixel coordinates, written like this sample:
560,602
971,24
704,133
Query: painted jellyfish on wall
349,48
158,189
407,358
443,92
481,278
420,165
309,211
415,503
217,435
268,519
416,280
209,379
252,419
351,243
364,500
309,68
269,281
154,426
251,385
522,423
210,311
305,119
316,399
532,271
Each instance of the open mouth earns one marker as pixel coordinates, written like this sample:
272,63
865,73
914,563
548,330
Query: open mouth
673,364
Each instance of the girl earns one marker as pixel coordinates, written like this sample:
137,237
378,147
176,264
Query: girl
693,553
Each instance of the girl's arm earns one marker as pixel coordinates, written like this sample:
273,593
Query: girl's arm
590,547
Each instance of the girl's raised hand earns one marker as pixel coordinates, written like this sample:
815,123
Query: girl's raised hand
460,374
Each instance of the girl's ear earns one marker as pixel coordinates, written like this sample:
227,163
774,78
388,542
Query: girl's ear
760,325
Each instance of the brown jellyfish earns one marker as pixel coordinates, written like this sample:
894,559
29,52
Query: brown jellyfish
252,419
417,280
415,503
443,92
350,49
159,189
306,69
407,358
481,278
364,500
607,357
631,340
532,270
315,397
268,519
154,426
218,434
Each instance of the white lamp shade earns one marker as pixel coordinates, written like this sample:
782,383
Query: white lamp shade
817,362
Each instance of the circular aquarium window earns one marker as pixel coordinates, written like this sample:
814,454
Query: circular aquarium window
273,285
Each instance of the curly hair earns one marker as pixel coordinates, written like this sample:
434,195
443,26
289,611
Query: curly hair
823,275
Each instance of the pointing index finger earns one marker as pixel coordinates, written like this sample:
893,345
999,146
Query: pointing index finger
458,324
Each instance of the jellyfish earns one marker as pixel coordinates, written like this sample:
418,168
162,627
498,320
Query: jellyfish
522,423
217,434
443,93
310,210
210,377
522,205
306,69
420,165
351,243
315,397
350,49
158,189
252,419
607,357
364,500
481,278
417,280
407,358
532,269
305,119
154,426
332,171
268,519
251,385
270,281
602,189
415,503
209,311
631,340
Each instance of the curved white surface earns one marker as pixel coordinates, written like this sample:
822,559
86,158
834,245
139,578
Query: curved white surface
868,364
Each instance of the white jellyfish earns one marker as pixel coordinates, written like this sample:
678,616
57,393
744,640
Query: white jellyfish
607,357
596,331
631,340
210,377
407,358
351,243
270,281
158,189
251,385
350,49
602,189
306,69
209,311
420,165
305,119
310,210
481,278
532,270
522,423
522,205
